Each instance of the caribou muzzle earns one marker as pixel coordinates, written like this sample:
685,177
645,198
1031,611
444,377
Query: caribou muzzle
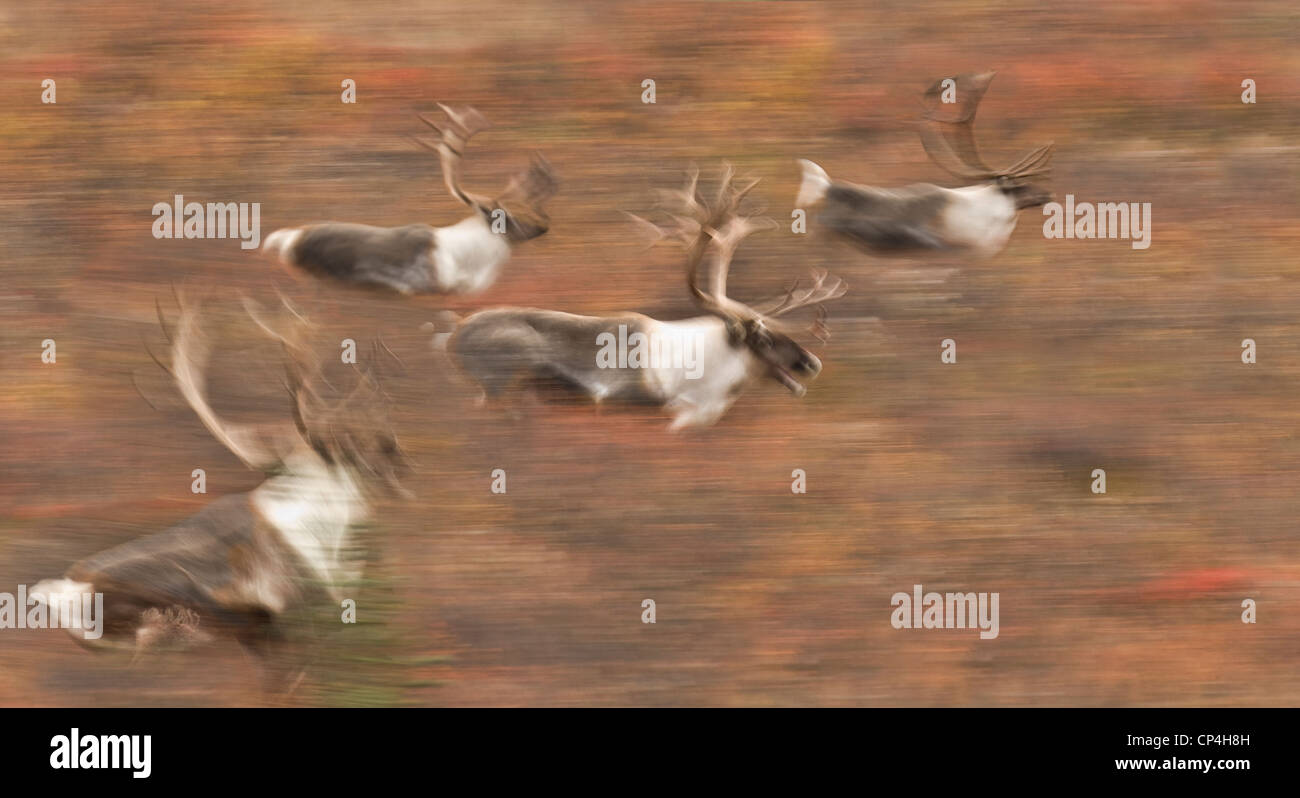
789,371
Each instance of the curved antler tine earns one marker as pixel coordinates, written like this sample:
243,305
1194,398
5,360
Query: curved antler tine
392,478
691,194
159,362
739,194
255,312
462,123
970,88
674,197
383,346
709,225
657,233
430,122
693,182
162,320
341,406
724,201
688,197
952,148
189,361
366,374
136,385
1033,163
737,228
689,226
466,118
950,141
426,143
819,329
727,239
289,306
644,223
541,170
533,185
1025,160
815,294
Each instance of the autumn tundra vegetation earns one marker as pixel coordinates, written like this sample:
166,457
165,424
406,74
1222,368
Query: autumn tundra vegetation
419,447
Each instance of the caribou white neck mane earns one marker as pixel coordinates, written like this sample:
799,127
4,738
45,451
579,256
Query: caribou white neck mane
724,370
315,506
468,256
981,218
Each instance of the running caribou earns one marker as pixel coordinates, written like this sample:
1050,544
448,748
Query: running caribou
731,345
235,567
464,258
975,218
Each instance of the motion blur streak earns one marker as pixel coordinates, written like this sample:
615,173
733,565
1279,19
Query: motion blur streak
1072,354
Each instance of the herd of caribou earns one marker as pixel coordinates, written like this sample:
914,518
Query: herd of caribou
237,566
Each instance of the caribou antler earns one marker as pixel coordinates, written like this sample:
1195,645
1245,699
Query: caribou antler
699,223
532,186
814,295
190,352
462,124
949,139
820,291
354,429
717,223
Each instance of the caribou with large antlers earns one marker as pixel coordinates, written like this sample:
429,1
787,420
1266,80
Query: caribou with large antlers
694,368
242,561
976,218
463,258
